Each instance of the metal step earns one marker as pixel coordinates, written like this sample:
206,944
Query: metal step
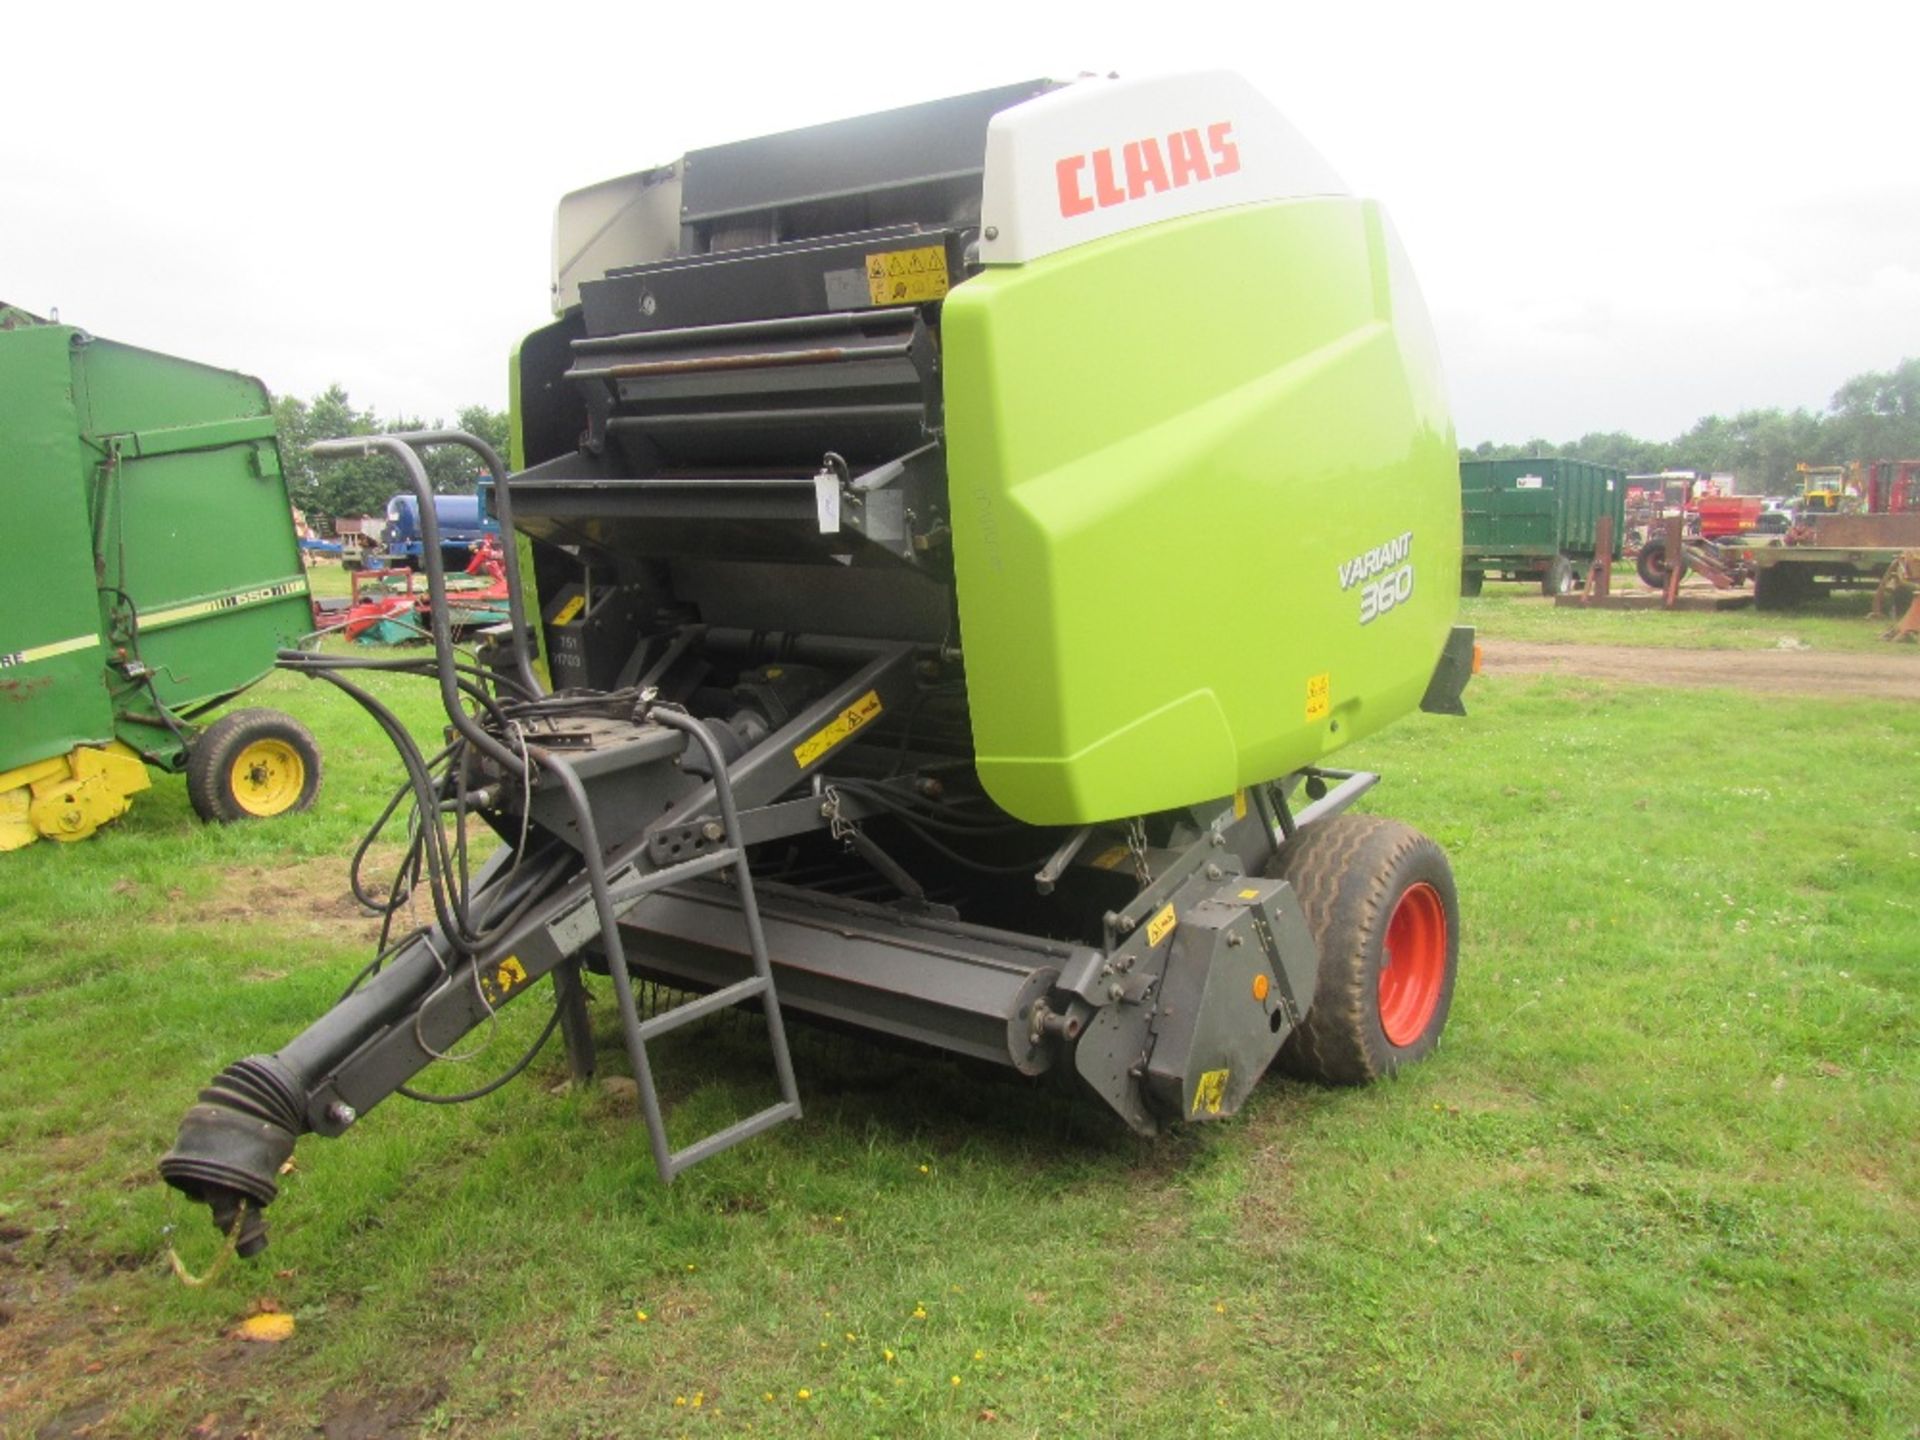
757,987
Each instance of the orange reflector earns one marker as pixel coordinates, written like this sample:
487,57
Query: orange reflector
1259,987
1476,659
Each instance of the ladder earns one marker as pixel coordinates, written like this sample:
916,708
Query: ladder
757,986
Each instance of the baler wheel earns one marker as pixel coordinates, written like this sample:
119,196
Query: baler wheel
1380,900
252,765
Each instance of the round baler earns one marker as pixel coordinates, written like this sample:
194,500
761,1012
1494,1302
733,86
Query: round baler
154,574
953,542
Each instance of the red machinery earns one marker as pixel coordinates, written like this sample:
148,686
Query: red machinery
384,604
489,560
1893,487
1722,515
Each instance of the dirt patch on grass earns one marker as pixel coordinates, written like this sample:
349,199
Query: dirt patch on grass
308,896
75,1363
382,1417
46,1345
1894,675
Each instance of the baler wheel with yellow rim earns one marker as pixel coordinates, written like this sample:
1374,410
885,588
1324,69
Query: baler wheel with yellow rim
253,765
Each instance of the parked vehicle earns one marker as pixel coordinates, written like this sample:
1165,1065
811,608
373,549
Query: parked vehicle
1536,519
463,525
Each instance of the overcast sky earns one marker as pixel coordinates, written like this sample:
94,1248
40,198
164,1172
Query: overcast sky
1623,217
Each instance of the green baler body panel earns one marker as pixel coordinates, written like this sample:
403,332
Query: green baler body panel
1536,509
51,694
160,527
1180,460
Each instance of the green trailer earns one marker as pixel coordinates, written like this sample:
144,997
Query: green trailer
153,575
1536,519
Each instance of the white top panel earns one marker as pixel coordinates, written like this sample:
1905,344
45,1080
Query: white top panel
1102,156
627,221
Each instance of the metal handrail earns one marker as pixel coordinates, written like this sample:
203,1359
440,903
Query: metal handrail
439,627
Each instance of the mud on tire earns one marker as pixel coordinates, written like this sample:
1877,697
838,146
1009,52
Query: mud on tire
1362,879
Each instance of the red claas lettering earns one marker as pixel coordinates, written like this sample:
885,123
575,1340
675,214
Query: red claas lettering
1188,157
1151,166
1067,172
1226,155
1145,169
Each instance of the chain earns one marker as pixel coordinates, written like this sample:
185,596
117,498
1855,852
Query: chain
1137,847
227,1248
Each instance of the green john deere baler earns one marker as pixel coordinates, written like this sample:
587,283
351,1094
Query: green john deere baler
962,538
151,574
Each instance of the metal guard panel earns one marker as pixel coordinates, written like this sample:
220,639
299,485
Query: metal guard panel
51,698
199,535
1181,458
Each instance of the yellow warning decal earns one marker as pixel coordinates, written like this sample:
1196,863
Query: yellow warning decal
1160,926
508,976
908,277
572,608
1239,804
863,711
1112,859
1319,691
1249,894
1210,1094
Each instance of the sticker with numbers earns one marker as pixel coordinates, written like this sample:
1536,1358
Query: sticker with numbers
1319,695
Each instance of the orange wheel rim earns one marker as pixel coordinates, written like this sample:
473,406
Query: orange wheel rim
1414,965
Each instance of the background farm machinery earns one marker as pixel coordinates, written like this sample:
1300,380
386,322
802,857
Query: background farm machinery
1544,519
151,574
387,606
1853,530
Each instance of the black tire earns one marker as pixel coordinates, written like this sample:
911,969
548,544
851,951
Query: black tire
1472,581
1559,576
1352,874
280,777
1782,587
1651,563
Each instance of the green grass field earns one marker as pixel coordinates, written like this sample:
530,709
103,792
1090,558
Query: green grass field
1512,611
1661,1179
329,581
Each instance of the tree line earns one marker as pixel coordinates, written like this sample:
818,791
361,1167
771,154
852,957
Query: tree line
1874,416
363,486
